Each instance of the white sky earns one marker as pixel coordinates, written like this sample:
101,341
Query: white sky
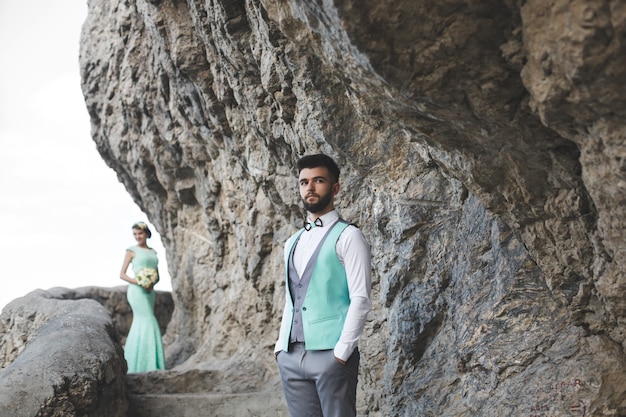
65,220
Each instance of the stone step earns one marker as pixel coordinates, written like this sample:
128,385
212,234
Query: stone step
259,404
204,393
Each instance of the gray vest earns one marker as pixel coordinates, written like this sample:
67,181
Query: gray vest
298,286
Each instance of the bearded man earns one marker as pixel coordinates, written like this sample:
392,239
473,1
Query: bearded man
328,288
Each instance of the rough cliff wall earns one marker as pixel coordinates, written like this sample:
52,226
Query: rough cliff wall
60,355
482,146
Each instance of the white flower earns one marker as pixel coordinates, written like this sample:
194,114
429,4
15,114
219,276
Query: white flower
147,277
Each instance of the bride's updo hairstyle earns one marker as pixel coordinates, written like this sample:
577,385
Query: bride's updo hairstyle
144,227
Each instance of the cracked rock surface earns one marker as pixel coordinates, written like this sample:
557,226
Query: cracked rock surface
482,147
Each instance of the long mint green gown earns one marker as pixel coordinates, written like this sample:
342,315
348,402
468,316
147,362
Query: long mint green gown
143,350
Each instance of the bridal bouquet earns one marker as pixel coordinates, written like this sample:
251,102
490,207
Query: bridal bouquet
147,277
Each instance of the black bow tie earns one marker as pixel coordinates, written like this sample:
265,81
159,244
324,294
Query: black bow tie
317,222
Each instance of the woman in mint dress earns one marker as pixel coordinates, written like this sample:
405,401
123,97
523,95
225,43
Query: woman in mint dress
143,350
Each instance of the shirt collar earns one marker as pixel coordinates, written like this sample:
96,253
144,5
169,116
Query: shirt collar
327,219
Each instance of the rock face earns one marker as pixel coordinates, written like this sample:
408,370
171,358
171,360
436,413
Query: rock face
482,147
60,357
61,352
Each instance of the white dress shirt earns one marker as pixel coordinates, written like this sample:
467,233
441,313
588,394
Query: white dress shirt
354,253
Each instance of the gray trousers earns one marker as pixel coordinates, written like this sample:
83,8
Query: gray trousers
316,384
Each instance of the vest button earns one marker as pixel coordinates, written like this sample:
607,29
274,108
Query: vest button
303,308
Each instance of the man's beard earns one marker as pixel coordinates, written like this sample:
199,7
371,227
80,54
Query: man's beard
321,204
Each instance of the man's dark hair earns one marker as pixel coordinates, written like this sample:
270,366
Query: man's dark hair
320,160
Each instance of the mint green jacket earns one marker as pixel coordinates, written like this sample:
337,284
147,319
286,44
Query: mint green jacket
327,299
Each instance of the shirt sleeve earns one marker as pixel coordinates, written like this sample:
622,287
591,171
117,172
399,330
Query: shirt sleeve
354,253
284,325
281,343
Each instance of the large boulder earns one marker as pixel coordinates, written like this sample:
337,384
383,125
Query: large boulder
483,152
60,357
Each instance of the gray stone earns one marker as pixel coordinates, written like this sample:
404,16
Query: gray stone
60,357
482,146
